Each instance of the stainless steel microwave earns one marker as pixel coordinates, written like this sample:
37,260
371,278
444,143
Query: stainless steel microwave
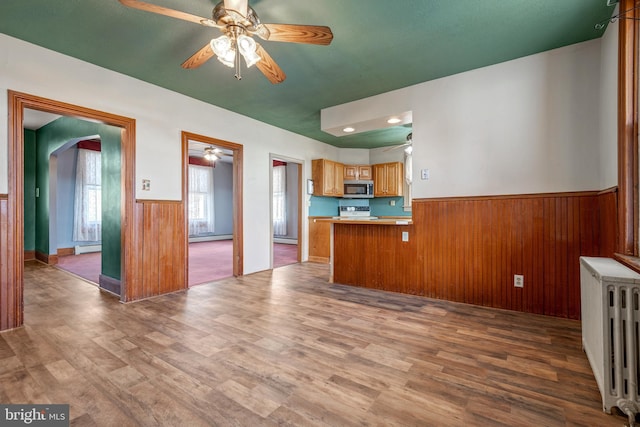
360,189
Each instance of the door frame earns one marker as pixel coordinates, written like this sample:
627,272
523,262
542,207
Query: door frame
18,101
238,238
301,194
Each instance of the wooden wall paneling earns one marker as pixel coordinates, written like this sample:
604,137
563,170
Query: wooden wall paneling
562,262
468,249
608,208
149,250
7,309
537,262
162,258
573,255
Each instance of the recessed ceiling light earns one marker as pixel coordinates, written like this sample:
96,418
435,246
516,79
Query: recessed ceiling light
348,129
393,120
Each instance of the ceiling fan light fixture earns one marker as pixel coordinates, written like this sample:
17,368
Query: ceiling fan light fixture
223,48
210,154
247,47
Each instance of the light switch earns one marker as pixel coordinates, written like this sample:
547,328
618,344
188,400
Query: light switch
405,236
146,184
424,174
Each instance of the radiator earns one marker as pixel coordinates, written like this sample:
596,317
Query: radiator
610,304
87,249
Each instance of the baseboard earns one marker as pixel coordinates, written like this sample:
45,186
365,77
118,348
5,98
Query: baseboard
29,255
318,259
86,249
285,240
49,259
66,251
110,284
210,238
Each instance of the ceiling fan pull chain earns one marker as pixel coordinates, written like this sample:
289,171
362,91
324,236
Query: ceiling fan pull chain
238,74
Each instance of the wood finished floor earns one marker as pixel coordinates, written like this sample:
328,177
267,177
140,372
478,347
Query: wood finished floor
287,348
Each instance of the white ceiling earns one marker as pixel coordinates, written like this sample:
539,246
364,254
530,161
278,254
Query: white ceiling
34,119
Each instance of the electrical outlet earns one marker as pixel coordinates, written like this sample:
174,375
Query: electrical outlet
518,280
424,174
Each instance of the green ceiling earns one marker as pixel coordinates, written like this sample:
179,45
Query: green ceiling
378,46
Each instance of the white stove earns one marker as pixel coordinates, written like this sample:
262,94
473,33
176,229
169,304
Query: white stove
355,212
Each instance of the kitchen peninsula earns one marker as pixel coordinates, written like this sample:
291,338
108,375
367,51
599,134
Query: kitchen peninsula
364,252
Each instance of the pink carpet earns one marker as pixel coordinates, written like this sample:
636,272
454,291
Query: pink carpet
87,266
208,261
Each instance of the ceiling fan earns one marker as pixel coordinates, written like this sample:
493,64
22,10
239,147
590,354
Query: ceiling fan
214,153
238,23
408,146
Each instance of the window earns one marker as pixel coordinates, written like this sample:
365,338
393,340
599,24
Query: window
201,208
280,200
87,221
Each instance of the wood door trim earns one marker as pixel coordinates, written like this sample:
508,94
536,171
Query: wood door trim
628,34
18,101
238,238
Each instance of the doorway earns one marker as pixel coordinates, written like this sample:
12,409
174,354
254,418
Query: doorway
220,231
13,269
286,210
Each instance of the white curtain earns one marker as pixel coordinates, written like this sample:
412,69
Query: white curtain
201,212
280,200
87,218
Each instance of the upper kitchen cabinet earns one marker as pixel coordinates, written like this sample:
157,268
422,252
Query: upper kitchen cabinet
355,172
387,179
328,178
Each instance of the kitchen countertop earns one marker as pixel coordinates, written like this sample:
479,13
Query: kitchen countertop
367,220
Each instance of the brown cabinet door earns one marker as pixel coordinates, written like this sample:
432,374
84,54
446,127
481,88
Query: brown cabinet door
338,179
327,177
350,172
364,172
319,241
394,179
387,179
379,180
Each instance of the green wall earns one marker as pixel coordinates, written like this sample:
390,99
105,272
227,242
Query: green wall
53,136
29,190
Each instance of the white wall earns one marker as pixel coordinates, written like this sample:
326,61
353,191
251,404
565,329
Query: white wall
160,117
608,148
530,125
524,126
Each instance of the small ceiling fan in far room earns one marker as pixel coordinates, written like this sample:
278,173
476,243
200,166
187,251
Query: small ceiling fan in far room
238,23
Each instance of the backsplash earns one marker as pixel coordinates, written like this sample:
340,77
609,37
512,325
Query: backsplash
328,206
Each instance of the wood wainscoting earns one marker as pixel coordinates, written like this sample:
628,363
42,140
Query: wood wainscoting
469,249
160,265
11,301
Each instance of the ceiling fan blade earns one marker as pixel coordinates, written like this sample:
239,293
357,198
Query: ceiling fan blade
240,6
148,7
311,34
268,66
199,58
